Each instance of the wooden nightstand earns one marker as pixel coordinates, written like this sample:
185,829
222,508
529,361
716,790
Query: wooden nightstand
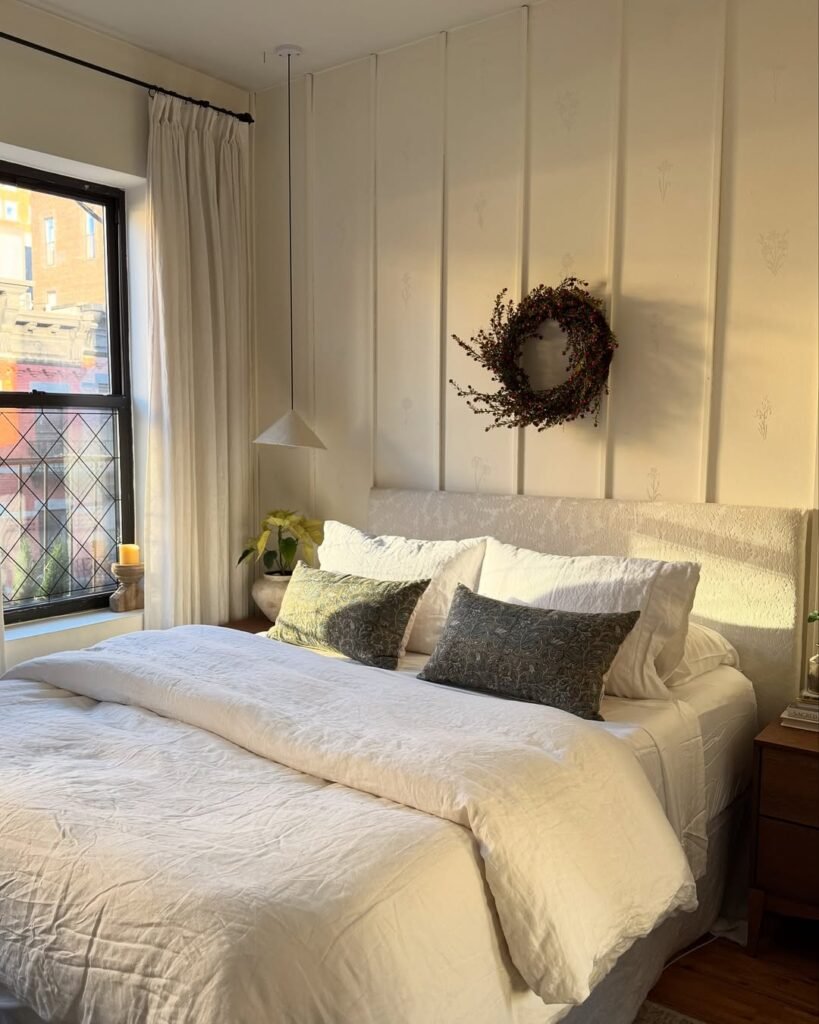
253,624
785,838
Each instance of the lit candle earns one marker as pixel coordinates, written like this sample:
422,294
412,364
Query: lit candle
129,554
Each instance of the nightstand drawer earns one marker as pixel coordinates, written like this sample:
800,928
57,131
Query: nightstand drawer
786,860
790,786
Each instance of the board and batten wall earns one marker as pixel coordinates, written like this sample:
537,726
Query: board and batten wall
663,150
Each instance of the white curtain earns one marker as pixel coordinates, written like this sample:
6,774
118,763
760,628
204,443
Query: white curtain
198,509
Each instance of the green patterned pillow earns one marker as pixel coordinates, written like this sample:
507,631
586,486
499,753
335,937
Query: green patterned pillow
532,654
366,620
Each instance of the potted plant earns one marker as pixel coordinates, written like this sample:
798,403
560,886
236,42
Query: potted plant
277,546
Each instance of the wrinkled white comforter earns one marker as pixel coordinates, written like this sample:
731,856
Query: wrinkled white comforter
153,870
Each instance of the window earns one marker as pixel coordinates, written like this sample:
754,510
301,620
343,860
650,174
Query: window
90,234
10,209
50,232
66,476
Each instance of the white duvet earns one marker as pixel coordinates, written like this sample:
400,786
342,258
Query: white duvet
244,857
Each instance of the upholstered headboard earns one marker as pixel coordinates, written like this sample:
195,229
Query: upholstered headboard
753,584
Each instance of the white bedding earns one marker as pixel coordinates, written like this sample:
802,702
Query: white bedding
696,756
725,705
696,770
666,738
151,869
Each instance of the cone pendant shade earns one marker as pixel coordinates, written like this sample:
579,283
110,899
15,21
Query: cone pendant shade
290,432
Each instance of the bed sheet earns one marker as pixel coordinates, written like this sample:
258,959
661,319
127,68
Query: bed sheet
725,707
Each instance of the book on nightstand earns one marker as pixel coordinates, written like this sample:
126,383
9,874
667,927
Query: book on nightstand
802,714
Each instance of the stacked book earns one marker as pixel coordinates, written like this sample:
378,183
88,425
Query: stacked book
802,713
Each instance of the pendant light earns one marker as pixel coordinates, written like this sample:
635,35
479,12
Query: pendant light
290,431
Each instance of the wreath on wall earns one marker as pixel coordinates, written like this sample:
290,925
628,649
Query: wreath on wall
589,349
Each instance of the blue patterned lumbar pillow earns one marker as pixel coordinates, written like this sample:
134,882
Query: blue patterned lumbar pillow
532,654
367,620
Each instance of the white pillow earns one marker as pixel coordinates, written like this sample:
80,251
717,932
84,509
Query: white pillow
445,562
705,649
663,592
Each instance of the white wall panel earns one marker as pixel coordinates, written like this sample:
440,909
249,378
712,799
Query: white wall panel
663,150
409,199
673,124
342,255
484,193
572,131
768,271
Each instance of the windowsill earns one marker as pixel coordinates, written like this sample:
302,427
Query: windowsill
63,623
25,640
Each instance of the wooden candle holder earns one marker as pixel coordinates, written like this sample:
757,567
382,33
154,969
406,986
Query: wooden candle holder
130,594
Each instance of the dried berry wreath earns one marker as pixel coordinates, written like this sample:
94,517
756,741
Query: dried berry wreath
589,349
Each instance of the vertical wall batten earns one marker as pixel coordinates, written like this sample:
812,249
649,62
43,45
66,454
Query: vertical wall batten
374,362
523,284
710,410
373,275
615,240
443,383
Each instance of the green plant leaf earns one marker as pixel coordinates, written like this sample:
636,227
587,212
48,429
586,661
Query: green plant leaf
813,616
309,532
314,528
291,528
280,517
287,552
247,553
270,558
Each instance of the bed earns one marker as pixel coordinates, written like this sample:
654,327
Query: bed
174,854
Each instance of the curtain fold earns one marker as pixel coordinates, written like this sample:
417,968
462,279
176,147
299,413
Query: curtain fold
2,634
198,489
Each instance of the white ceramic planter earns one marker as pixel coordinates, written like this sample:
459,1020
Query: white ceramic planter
268,593
812,681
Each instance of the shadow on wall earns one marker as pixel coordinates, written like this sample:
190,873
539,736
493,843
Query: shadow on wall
657,376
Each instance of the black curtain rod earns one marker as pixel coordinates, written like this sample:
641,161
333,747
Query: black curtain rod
245,118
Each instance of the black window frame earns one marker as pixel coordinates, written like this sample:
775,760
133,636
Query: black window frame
119,365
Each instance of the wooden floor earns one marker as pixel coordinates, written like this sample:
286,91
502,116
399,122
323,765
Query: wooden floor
721,984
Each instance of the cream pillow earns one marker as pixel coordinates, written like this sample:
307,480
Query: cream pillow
445,562
705,649
663,593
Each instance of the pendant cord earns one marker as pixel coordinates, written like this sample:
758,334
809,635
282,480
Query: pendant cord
290,236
